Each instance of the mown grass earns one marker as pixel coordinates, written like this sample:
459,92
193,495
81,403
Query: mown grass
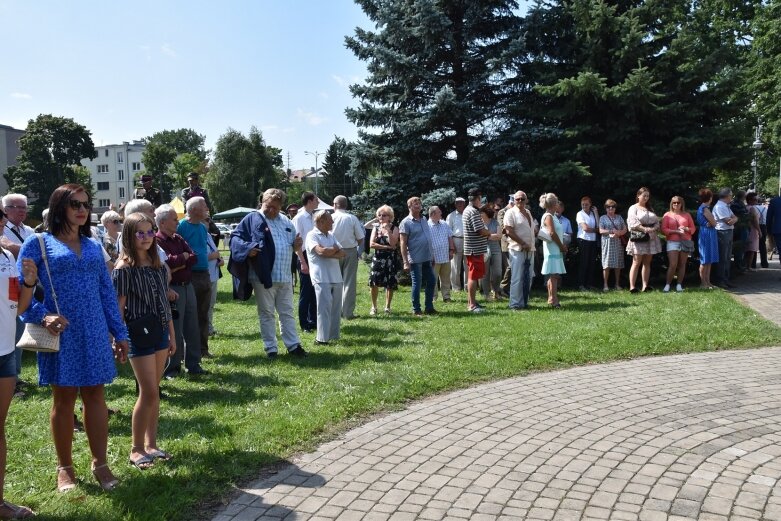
250,413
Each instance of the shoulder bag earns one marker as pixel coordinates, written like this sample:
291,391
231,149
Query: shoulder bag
36,337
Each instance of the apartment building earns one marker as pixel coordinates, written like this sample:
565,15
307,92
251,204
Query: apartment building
9,151
113,171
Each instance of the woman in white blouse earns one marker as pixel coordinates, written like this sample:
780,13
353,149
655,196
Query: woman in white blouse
588,230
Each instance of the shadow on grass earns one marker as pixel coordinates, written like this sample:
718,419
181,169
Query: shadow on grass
337,360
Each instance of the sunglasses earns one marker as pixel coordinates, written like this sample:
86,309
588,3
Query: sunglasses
116,221
609,206
520,199
676,202
75,205
145,235
384,215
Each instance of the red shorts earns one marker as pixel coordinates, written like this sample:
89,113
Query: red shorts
476,265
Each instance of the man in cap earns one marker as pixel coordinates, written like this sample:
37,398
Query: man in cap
152,195
196,190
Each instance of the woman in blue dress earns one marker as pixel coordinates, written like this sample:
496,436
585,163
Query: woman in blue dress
553,250
88,312
708,241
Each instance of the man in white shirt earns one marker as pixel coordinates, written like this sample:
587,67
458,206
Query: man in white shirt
519,226
15,233
456,223
307,300
725,224
349,233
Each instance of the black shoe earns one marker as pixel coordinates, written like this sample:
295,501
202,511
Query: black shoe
319,343
634,290
432,311
447,300
648,289
197,371
272,355
207,355
309,330
298,352
173,373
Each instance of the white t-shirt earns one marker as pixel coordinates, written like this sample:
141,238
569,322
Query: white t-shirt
323,270
303,223
348,230
590,221
9,301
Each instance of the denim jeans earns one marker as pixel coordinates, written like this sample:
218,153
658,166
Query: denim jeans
725,256
422,272
521,266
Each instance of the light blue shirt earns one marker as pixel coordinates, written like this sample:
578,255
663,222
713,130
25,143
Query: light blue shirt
284,233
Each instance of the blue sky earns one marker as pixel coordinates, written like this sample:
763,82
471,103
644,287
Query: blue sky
128,69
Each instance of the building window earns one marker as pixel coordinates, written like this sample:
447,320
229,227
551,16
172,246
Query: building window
103,169
136,167
120,175
121,192
120,157
104,203
106,152
103,185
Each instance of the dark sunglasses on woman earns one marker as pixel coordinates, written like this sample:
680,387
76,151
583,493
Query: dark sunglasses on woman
75,205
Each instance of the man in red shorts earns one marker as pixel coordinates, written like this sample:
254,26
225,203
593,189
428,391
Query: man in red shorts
475,247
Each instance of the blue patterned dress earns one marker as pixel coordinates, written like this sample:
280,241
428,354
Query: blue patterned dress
87,300
708,240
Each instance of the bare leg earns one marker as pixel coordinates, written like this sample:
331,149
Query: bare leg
646,272
672,266
636,263
606,277
617,276
683,258
147,403
6,393
96,427
388,298
374,291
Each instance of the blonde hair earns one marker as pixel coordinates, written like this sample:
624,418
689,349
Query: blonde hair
130,253
320,216
548,200
385,209
678,199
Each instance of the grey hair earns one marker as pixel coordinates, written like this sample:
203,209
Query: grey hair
163,211
724,192
139,205
340,202
320,215
548,200
273,194
192,202
109,216
7,198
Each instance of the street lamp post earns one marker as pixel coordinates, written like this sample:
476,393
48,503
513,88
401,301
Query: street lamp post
316,154
757,145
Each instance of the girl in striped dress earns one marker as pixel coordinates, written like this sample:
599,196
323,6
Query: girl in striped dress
141,281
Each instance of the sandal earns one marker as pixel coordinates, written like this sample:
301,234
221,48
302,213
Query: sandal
68,482
144,462
17,512
160,454
106,484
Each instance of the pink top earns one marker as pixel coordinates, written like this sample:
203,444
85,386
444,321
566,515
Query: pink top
672,221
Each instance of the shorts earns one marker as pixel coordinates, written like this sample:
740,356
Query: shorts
8,365
476,265
134,352
679,246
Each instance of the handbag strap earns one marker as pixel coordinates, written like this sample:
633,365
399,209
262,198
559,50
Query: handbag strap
48,273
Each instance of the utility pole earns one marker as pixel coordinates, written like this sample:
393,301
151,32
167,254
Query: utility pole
316,154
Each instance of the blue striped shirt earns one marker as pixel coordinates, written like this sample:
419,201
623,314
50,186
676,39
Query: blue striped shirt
440,233
284,233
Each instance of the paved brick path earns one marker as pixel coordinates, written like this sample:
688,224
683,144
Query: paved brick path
673,438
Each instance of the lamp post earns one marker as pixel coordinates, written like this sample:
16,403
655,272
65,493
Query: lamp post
316,154
757,145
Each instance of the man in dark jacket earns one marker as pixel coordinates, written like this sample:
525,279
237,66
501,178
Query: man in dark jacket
262,247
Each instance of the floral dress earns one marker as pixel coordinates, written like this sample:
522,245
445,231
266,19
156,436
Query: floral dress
384,265
639,216
86,298
612,249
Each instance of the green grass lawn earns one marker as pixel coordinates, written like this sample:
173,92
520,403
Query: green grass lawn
250,413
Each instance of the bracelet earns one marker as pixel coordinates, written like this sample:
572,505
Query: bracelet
24,283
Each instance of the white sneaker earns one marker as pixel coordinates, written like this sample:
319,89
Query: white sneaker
373,311
666,288
678,288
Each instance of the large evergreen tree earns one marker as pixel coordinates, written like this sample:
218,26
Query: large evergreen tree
51,151
428,108
613,95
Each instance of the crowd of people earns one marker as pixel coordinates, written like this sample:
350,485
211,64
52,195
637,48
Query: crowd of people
152,277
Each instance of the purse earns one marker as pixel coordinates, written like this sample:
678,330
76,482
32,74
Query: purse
145,332
636,236
543,235
36,337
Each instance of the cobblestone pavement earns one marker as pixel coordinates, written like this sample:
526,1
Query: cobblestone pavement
672,438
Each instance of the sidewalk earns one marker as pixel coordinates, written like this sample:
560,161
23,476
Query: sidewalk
688,437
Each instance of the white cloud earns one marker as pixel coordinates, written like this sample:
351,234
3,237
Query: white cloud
21,95
310,117
168,50
323,95
338,79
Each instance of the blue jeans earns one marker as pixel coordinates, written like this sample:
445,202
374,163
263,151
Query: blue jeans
725,256
520,278
422,272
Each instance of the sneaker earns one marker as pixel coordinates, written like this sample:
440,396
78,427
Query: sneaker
272,355
387,311
373,311
432,311
298,351
678,288
476,309
417,313
666,288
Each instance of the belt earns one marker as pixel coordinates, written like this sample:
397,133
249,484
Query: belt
458,236
180,283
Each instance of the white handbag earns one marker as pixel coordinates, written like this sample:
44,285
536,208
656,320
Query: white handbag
35,336
543,235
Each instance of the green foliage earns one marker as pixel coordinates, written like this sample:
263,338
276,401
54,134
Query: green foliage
428,107
764,81
51,151
183,164
337,180
243,167
162,148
